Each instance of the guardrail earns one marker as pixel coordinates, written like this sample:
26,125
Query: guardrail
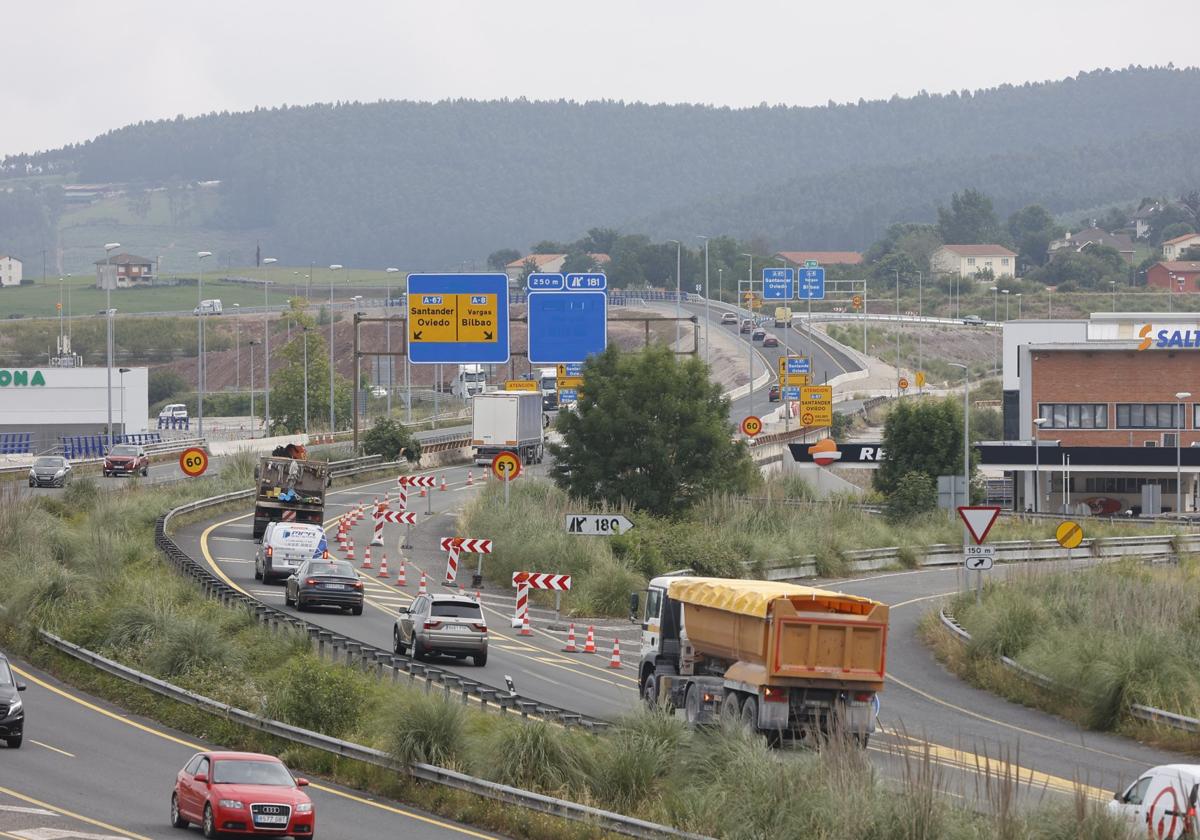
343,648
1149,714
607,820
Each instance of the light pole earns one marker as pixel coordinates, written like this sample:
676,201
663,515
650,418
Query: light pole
267,261
332,417
253,343
1018,306
967,456
237,344
920,329
387,331
305,338
706,352
1179,426
897,335
995,319
678,290
201,256
124,431
1037,462
749,339
109,282
721,283
1170,292
1005,293
1113,285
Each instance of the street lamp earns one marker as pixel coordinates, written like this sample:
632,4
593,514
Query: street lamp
1005,293
1113,285
749,339
253,343
237,344
305,338
1181,396
200,257
898,374
995,319
1037,461
124,431
706,351
267,261
1018,306
332,419
967,458
387,331
109,282
678,291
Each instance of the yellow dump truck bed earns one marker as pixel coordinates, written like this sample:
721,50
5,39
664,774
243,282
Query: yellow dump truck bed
786,632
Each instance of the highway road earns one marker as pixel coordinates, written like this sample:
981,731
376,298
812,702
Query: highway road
77,776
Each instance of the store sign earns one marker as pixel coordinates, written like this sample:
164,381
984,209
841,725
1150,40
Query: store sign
20,378
1168,339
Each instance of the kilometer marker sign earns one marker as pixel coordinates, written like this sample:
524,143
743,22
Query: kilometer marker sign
595,524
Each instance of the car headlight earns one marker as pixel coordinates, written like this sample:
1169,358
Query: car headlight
60,474
304,808
231,803
31,474
16,706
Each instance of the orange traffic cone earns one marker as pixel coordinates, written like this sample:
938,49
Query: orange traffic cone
421,590
478,597
615,662
400,580
525,631
367,558
443,485
350,552
571,647
422,492
589,645
470,477
383,572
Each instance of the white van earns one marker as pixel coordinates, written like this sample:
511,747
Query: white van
174,411
1162,800
284,546
208,307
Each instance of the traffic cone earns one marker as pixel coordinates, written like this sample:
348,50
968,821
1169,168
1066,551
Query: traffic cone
350,551
525,631
478,597
400,579
422,491
367,558
571,647
383,572
615,662
443,485
461,591
470,477
421,590
589,645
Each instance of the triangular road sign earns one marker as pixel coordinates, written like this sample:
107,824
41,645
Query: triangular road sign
979,520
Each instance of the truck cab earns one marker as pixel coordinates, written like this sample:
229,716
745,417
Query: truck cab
471,381
548,385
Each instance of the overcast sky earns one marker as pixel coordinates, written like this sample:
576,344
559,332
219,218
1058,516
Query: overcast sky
76,68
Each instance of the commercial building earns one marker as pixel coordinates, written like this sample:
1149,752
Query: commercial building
54,402
10,271
970,260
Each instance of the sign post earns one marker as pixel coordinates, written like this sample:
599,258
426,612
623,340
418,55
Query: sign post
979,520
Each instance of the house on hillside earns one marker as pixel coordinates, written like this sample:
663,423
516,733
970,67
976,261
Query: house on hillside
1119,242
124,271
1143,220
10,271
970,260
1173,248
547,264
1179,277
799,258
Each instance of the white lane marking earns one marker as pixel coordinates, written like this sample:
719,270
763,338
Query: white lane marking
21,809
232,560
229,539
52,749
64,834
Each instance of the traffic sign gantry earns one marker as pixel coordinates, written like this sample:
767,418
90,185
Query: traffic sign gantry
458,318
751,426
1069,534
596,524
777,283
193,461
506,466
979,520
570,323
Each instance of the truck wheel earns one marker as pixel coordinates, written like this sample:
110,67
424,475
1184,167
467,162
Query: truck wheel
730,710
691,704
650,690
749,715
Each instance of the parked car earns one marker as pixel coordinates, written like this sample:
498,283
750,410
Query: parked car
242,793
758,335
1162,800
126,459
974,321
770,341
325,583
50,471
729,318
774,395
106,312
747,325
284,546
12,710
174,411
450,624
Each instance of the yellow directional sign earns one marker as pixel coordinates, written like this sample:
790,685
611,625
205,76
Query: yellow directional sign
816,405
786,378
453,318
1069,534
570,382
920,377
521,385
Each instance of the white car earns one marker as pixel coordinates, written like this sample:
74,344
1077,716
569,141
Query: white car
284,546
1160,800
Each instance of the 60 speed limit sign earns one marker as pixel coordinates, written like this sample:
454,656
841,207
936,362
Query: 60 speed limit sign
506,466
193,461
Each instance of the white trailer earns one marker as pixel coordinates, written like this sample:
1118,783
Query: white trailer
508,421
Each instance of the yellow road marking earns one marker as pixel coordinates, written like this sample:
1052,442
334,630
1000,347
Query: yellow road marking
199,748
52,749
39,803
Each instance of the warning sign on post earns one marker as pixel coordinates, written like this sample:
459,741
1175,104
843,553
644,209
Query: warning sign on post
816,405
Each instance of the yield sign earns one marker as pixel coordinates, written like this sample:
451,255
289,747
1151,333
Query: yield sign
979,520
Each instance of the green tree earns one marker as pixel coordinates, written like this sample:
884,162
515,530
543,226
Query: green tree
578,262
497,260
970,220
1177,229
915,493
165,383
1090,268
651,431
287,384
920,436
389,439
549,246
600,240
1032,229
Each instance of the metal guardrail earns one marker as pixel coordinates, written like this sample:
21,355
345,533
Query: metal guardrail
607,820
1150,714
352,652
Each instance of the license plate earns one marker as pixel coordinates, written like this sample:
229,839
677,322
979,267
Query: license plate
333,585
271,819
457,628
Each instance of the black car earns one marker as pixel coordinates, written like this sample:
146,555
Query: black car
12,710
773,395
758,335
50,471
325,583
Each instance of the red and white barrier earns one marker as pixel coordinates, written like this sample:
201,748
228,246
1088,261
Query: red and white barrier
416,481
383,570
467,545
521,610
452,564
367,558
540,580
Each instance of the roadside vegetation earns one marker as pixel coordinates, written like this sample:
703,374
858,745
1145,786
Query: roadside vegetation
1109,637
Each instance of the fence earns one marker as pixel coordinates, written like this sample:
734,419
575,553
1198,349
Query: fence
174,423
16,443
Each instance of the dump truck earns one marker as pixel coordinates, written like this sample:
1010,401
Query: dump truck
508,421
289,489
792,662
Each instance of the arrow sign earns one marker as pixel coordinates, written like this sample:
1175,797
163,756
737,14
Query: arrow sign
416,481
467,546
979,558
979,520
540,580
397,517
595,524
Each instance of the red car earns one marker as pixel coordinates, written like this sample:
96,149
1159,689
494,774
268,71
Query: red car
126,459
241,793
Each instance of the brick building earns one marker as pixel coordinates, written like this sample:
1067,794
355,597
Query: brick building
1178,276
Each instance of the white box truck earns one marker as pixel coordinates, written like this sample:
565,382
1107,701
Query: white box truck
508,421
548,384
470,382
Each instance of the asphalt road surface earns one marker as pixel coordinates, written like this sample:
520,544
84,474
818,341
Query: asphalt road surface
91,770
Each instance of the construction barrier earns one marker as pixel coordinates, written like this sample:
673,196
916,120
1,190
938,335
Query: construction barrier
16,443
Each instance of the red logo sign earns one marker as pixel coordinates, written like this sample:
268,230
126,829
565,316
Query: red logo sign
824,452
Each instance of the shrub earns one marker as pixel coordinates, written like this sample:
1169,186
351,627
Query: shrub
388,438
914,495
535,755
423,728
317,696
189,643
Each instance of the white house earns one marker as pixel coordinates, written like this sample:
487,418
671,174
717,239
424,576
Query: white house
969,260
10,271
1172,248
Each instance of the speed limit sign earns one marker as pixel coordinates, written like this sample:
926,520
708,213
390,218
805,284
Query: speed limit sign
506,466
193,461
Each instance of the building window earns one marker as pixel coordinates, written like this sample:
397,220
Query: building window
1128,484
1149,415
1004,261
970,261
1074,415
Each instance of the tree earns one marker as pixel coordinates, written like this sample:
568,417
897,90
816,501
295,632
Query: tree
920,436
287,385
389,439
164,384
1090,268
600,240
578,262
549,246
497,260
1177,229
970,220
651,431
915,493
1033,229
1190,201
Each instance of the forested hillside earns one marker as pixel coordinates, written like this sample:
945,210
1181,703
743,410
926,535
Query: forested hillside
427,185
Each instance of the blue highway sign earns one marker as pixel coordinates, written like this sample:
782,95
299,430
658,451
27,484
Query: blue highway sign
590,282
799,365
791,392
457,318
777,283
543,282
567,326
810,284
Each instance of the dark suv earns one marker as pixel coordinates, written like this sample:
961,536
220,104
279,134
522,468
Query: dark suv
12,710
126,459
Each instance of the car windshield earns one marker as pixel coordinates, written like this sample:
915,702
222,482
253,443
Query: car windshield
340,568
456,609
245,772
124,450
48,462
6,677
